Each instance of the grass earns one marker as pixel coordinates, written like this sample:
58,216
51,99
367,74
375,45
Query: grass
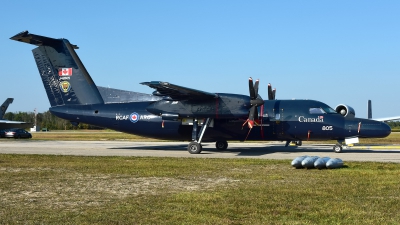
87,135
44,189
41,189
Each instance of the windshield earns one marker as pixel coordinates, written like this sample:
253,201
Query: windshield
325,110
329,110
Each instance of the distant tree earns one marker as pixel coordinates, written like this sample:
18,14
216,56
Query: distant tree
47,120
394,124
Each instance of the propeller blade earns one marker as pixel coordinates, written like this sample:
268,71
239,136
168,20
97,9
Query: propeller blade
252,112
252,116
270,92
256,114
256,88
273,93
251,89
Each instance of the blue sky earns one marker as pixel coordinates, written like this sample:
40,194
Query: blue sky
332,51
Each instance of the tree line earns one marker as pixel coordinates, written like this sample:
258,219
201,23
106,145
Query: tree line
47,120
51,122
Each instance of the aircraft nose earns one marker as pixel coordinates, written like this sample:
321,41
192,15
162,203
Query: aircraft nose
386,129
374,129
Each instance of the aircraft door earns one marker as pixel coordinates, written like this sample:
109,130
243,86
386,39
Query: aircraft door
278,123
352,127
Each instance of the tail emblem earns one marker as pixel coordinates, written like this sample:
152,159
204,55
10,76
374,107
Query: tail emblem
65,86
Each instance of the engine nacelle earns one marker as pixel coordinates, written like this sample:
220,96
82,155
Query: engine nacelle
345,110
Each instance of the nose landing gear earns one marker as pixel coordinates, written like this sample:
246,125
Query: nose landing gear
338,147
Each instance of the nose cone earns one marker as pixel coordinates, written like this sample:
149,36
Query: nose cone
386,130
374,129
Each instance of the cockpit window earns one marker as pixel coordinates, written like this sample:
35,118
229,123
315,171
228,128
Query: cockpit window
317,111
329,110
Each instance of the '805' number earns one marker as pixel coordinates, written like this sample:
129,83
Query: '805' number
327,127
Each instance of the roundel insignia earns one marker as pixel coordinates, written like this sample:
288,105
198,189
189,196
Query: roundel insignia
65,86
134,117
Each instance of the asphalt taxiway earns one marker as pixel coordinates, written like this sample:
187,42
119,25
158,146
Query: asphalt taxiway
179,149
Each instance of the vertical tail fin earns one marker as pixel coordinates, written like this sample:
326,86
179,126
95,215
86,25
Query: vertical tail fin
4,107
64,77
369,109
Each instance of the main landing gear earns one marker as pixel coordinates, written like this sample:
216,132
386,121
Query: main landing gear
195,147
296,143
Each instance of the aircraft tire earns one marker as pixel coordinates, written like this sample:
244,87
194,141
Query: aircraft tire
194,148
299,143
337,148
221,145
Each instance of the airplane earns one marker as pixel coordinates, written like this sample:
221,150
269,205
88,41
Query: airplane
6,124
384,119
175,112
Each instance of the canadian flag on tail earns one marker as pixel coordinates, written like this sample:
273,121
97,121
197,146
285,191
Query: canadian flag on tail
65,71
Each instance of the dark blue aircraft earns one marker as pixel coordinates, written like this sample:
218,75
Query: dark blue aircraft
178,113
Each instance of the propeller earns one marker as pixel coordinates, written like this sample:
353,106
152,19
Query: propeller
255,101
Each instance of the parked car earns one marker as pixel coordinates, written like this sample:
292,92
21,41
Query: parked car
2,133
17,133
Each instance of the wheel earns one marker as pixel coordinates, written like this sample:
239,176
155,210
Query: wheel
194,148
221,145
337,148
299,143
18,137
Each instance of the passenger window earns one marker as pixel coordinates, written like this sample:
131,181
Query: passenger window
316,111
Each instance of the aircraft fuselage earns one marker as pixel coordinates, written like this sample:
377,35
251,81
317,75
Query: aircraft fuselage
278,120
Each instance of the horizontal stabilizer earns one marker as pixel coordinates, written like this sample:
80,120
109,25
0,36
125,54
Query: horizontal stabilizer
37,40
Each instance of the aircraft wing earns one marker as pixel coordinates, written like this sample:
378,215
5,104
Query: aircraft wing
6,124
178,93
388,119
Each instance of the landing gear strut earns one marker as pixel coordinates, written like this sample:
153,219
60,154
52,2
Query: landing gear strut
195,147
